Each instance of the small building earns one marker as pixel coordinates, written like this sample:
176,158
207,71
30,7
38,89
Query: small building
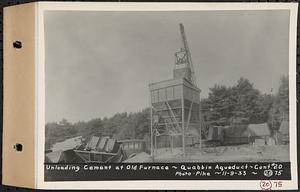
259,134
236,134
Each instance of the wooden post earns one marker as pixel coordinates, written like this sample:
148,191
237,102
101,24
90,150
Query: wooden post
201,123
171,143
182,124
155,144
151,131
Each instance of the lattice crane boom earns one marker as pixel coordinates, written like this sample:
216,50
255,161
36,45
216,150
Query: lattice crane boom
188,53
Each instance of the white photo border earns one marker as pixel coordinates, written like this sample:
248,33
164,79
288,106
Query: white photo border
159,184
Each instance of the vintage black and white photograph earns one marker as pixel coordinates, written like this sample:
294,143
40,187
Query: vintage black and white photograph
166,86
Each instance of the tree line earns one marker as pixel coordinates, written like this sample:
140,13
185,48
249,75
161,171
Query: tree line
120,126
244,104
225,105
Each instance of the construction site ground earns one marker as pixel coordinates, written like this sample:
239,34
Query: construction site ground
240,153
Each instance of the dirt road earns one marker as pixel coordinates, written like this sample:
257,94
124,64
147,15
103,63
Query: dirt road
241,153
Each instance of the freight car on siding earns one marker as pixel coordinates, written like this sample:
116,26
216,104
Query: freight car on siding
238,134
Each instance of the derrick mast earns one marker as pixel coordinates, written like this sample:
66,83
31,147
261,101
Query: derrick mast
183,61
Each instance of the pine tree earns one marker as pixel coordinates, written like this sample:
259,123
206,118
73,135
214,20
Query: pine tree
280,106
240,104
246,106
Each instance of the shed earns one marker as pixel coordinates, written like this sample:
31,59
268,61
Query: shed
236,134
260,133
259,130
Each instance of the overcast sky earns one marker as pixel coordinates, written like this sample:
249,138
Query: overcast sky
100,63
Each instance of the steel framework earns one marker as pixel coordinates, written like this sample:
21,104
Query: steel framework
175,104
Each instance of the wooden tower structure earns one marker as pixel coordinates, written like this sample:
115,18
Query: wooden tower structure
175,104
